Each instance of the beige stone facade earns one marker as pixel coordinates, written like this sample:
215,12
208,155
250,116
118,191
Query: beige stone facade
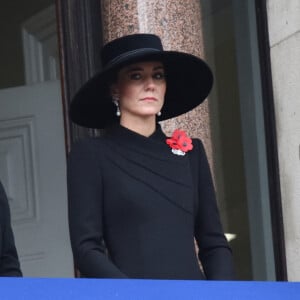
284,31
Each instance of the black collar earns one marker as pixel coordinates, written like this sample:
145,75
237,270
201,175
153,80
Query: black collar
154,145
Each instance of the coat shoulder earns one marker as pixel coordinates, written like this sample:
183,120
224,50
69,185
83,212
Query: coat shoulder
88,145
198,148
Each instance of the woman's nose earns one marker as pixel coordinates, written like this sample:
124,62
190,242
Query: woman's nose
149,83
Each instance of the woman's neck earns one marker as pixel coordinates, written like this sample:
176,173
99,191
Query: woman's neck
144,126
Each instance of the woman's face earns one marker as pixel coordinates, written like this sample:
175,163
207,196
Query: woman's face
141,89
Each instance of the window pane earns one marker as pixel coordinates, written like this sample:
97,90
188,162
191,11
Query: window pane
238,134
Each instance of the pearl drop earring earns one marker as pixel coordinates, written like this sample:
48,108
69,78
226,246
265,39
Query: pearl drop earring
159,114
116,102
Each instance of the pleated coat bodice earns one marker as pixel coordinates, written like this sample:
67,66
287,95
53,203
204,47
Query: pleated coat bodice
135,209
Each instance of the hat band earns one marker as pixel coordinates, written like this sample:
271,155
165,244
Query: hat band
130,53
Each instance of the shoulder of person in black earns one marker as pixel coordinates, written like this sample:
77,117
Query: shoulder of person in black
9,261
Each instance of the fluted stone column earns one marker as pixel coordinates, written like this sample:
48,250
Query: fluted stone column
178,23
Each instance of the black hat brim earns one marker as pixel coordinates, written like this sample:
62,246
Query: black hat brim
189,81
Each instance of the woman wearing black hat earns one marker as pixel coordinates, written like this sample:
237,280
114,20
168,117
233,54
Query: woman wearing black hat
137,199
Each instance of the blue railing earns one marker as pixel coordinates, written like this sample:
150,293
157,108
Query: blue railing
44,289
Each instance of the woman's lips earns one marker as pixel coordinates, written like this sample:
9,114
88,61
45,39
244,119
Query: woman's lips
149,99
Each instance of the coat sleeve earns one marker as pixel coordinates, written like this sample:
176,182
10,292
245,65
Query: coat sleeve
85,198
9,262
214,252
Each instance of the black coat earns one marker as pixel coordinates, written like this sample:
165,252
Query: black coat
132,196
9,263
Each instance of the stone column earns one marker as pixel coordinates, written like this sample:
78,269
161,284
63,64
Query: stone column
178,23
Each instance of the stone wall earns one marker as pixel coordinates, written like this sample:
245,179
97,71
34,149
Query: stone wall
284,31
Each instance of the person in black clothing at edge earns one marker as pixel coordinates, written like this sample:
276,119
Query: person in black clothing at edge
139,199
9,262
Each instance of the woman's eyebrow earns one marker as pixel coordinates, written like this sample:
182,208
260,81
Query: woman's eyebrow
159,67
132,69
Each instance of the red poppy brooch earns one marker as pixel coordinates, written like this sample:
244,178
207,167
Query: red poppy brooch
180,143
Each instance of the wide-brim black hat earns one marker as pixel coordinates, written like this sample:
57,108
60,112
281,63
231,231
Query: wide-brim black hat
188,78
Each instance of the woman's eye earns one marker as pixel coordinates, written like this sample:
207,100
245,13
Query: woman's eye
159,75
135,76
